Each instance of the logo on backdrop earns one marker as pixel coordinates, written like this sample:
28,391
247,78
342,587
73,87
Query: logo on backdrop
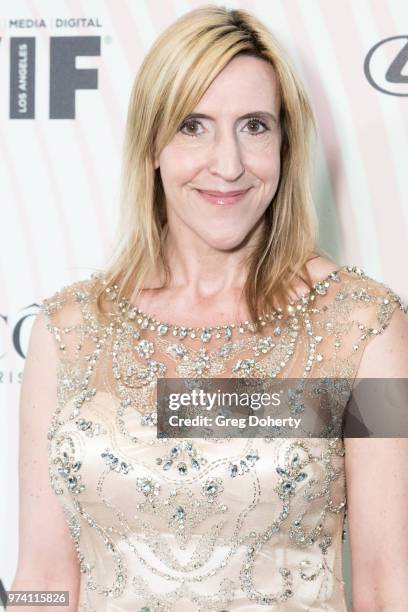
65,78
386,66
15,335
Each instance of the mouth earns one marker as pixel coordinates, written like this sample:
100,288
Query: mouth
222,198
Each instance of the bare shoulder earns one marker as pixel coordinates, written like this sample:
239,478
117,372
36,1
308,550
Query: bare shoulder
320,267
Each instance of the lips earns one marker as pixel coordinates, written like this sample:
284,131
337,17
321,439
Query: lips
223,197
223,193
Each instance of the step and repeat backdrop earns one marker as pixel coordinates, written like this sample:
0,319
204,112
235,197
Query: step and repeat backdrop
66,70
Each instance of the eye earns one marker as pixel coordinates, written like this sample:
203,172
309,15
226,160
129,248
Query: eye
254,121
189,127
190,123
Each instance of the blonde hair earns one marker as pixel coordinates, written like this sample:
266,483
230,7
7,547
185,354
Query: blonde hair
173,77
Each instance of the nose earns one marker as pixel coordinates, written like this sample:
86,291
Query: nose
225,157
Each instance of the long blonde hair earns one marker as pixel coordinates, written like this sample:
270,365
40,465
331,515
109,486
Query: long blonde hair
173,77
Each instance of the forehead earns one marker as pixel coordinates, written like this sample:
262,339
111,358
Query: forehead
245,83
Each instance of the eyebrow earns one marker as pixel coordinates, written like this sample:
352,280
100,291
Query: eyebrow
259,114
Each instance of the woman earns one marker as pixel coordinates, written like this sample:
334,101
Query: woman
217,226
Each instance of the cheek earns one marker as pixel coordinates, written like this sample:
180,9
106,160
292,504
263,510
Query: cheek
177,167
262,157
266,168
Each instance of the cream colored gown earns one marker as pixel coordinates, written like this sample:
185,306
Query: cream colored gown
202,524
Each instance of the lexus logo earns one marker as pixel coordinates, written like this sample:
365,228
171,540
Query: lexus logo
390,77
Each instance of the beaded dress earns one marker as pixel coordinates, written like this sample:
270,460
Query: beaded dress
202,524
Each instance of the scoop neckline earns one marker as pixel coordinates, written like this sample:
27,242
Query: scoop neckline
129,306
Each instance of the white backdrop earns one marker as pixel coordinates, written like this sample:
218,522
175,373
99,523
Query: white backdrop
60,151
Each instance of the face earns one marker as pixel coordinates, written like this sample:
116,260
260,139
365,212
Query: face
230,143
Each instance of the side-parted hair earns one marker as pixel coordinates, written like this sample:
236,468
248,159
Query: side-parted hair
173,77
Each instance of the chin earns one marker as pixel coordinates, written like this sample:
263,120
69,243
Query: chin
225,243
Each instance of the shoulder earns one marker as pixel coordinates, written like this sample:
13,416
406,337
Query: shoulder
376,317
362,318
319,267
373,300
65,306
70,315
386,316
352,283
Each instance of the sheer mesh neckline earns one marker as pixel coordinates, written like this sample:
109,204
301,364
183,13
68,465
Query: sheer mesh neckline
318,288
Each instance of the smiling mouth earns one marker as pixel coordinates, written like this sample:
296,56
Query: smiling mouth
221,198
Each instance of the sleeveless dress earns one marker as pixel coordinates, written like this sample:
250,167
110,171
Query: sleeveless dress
202,524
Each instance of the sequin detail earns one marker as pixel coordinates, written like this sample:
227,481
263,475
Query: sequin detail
203,524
